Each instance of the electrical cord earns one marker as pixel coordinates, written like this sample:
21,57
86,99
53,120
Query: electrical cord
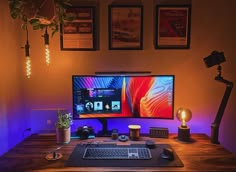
27,129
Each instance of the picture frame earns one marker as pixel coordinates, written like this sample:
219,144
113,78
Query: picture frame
125,27
79,34
173,24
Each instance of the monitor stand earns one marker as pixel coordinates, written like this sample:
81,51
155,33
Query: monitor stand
104,132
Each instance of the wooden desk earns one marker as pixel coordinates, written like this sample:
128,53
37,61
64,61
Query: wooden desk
200,155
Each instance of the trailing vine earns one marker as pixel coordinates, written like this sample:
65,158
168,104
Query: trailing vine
28,12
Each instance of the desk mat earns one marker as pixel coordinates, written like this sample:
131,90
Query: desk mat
76,158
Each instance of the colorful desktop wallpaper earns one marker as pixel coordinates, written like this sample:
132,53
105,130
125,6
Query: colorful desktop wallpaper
123,96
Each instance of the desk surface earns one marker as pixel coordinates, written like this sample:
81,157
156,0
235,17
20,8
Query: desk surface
199,155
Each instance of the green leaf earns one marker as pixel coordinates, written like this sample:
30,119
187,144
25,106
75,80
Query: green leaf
18,7
14,15
36,27
33,21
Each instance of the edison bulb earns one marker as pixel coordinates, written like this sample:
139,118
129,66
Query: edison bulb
184,115
47,54
28,67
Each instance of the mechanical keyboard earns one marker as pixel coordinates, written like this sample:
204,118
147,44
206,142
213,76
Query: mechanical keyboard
117,153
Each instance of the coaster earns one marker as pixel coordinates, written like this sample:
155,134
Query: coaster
50,156
123,138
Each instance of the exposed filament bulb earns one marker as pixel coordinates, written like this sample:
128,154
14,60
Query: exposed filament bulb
47,54
28,67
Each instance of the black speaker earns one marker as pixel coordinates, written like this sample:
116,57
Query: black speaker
158,132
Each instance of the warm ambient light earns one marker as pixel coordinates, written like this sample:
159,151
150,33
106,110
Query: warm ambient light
184,115
28,67
46,43
28,61
134,127
47,54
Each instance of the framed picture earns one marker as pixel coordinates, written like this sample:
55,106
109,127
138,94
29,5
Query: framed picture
125,27
79,34
173,27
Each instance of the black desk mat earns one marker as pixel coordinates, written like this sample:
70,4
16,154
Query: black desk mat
76,158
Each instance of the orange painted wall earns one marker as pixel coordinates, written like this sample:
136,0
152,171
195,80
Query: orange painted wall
13,117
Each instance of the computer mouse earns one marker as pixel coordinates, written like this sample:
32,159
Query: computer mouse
167,153
123,138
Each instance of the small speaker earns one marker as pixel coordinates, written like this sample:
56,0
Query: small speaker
158,132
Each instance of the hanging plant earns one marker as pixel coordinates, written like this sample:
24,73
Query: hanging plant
40,14
31,11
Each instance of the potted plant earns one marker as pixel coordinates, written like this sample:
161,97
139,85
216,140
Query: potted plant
63,127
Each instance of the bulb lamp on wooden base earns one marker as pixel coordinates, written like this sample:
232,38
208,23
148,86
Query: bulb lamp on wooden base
184,115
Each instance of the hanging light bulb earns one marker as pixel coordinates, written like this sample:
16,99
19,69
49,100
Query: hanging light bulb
27,56
28,61
46,44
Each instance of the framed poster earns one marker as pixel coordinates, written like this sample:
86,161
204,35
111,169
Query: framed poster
125,27
173,27
79,34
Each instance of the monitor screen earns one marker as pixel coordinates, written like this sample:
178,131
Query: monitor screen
97,96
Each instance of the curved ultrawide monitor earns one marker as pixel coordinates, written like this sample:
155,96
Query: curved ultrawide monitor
96,96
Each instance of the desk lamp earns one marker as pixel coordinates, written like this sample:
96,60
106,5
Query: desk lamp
216,58
184,115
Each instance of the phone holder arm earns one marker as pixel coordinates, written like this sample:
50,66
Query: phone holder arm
216,124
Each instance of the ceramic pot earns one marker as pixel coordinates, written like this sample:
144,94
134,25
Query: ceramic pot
63,135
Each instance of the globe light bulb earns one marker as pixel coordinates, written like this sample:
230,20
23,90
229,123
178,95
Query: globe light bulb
184,115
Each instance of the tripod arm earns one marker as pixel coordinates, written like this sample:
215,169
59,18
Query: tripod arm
216,124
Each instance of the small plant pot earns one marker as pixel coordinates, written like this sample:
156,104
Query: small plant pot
63,135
